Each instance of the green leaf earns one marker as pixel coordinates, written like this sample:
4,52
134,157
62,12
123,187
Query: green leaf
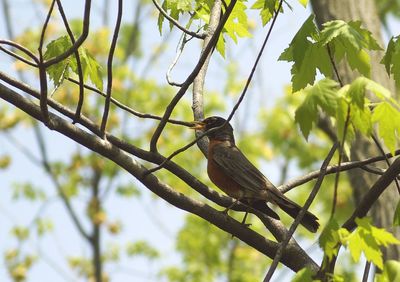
369,239
356,91
361,119
142,248
303,2
306,55
237,24
359,60
391,60
396,217
128,190
304,275
329,239
388,120
267,9
350,40
350,33
387,58
391,272
20,232
91,69
323,95
221,45
58,72
44,225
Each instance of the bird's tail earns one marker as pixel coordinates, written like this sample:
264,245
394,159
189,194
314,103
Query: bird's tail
309,220
262,206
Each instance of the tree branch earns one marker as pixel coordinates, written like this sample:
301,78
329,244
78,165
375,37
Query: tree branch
79,41
294,257
190,78
333,169
78,60
176,23
109,68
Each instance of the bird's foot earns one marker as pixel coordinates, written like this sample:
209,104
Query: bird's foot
226,211
244,220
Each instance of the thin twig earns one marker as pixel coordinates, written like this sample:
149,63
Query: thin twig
22,49
18,57
333,169
256,62
295,257
365,204
78,60
341,152
79,41
334,65
42,69
130,110
301,214
176,23
109,68
180,150
199,80
199,137
378,144
179,50
170,107
366,271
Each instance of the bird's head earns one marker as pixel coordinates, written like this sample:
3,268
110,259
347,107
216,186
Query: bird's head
224,133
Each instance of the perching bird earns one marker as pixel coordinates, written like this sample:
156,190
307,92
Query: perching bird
230,170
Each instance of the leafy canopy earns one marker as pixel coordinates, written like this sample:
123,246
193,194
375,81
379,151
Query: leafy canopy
312,50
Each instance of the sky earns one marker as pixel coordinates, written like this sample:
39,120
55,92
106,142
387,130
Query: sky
64,240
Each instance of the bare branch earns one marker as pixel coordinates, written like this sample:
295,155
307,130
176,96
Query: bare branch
179,50
176,23
333,169
79,41
341,156
42,69
130,110
294,257
190,78
253,70
366,203
373,194
109,68
18,57
380,148
77,57
198,82
301,214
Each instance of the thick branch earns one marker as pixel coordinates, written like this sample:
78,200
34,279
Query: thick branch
373,194
294,257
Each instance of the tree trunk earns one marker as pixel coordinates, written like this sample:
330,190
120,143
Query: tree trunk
364,10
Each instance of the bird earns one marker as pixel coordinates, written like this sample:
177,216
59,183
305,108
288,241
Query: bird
230,170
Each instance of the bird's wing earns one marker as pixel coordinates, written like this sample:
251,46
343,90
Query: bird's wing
235,164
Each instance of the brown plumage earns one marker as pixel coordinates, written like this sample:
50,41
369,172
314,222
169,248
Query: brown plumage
230,170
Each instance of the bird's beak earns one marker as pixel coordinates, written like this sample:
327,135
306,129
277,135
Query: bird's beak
198,125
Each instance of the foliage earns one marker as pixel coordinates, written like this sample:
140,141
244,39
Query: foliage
337,41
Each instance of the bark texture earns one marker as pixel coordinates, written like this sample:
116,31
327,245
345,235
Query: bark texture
366,12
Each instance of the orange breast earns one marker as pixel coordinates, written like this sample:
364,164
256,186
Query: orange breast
219,178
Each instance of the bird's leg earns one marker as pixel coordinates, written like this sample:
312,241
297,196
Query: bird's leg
225,211
244,219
